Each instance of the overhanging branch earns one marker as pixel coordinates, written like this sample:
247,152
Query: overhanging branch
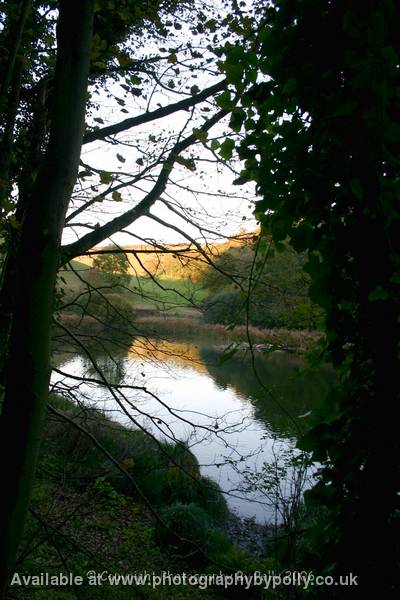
159,113
142,208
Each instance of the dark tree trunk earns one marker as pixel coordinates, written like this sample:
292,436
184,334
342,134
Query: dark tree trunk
37,258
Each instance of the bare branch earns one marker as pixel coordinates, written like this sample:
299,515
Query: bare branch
159,113
142,208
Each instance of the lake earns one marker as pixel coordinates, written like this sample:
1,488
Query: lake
236,413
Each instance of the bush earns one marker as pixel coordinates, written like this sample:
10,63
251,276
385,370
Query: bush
218,545
279,290
184,523
210,497
271,311
168,474
111,308
173,476
225,308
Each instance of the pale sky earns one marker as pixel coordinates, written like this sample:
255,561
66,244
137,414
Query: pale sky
226,214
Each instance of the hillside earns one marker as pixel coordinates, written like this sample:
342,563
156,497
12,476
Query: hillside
173,262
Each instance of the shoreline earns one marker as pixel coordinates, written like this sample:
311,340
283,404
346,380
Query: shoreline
193,328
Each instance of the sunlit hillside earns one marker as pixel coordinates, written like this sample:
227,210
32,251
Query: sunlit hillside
173,262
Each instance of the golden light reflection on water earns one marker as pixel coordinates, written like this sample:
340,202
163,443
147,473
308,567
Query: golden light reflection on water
181,354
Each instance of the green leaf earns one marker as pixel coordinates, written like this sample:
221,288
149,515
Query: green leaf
302,236
390,55
289,86
241,180
280,247
234,72
356,188
8,206
15,224
379,293
237,117
344,109
116,196
123,59
135,80
199,134
83,174
319,295
224,100
105,177
186,162
252,75
392,133
236,53
226,148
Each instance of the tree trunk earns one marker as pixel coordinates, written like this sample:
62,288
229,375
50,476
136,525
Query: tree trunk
27,368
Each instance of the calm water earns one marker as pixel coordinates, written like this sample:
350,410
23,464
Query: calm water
232,418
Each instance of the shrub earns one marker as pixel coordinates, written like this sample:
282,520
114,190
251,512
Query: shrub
269,311
184,523
225,308
174,477
110,307
210,497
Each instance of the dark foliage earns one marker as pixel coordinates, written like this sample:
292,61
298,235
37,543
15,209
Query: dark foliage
320,99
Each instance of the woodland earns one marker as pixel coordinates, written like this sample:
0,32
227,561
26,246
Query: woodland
174,170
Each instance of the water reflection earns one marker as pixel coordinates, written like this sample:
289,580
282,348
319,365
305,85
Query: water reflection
278,384
181,390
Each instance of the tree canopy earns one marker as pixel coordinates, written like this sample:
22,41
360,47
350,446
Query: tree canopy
266,287
319,104
311,93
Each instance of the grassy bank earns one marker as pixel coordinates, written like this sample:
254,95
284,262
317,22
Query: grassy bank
192,328
87,512
158,293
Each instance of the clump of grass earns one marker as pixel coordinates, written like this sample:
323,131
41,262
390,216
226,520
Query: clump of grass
184,525
183,522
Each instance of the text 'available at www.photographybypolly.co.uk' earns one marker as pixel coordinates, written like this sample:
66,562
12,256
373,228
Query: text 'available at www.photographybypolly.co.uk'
267,580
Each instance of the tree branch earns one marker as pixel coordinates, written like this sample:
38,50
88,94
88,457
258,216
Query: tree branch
100,134
142,208
13,44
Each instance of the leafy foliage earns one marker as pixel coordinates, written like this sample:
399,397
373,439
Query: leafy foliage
112,264
274,288
322,142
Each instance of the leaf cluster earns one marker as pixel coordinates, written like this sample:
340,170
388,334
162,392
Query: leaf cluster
323,149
